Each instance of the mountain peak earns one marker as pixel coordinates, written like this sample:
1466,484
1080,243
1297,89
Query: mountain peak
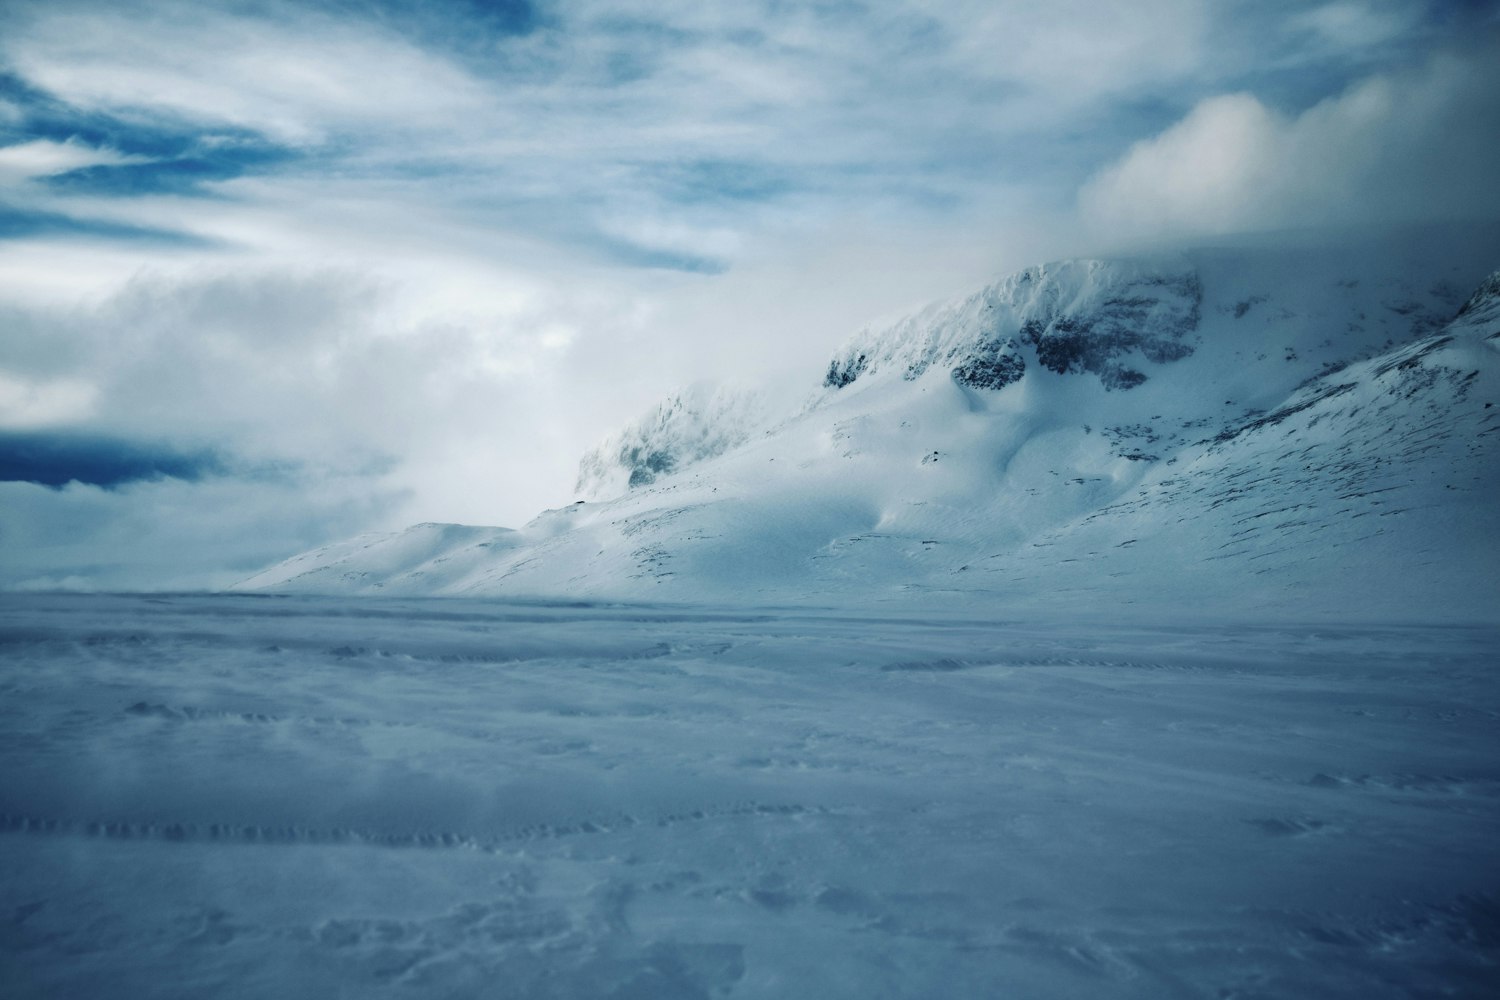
689,426
1484,305
1106,318
1228,431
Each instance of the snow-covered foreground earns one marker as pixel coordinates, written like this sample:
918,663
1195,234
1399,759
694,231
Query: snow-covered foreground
310,797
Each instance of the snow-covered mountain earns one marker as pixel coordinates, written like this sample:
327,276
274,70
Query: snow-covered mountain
1306,432
697,423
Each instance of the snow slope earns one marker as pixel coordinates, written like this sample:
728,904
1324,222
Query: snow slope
698,423
1303,432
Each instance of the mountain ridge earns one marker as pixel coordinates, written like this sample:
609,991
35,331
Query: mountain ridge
1151,400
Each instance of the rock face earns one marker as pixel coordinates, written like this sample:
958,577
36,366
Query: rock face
1264,433
1484,304
690,426
842,372
1109,319
994,365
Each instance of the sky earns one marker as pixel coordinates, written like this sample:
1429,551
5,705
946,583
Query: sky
273,274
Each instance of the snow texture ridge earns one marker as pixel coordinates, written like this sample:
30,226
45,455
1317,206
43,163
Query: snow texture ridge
242,797
399,557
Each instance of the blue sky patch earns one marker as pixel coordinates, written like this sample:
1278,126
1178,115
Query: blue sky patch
724,181
468,30
179,158
184,174
653,258
21,223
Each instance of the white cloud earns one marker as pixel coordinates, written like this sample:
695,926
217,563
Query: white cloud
623,82
27,403
1351,24
45,158
444,392
1069,52
424,307
1410,146
168,534
297,78
583,129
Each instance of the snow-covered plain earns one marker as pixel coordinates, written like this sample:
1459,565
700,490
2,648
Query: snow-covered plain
240,796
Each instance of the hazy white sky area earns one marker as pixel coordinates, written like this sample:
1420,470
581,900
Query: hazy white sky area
276,273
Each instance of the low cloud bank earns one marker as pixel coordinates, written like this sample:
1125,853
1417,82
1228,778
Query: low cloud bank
1413,146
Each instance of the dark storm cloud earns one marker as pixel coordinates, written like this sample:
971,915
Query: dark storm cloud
55,459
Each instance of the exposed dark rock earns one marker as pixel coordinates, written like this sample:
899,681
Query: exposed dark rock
994,366
1092,342
842,372
690,426
1485,296
645,466
1164,351
1117,377
1243,307
1080,317
1412,356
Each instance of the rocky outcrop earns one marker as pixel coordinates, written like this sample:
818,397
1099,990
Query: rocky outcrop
690,426
1152,316
1484,305
994,365
843,371
1110,319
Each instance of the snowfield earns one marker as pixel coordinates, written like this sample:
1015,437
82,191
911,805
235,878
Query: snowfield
240,796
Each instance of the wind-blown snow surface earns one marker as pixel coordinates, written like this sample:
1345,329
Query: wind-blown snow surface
1268,432
309,797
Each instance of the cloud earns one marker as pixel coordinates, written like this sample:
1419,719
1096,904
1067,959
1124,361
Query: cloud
338,372
53,459
283,407
1347,23
26,403
20,222
661,134
45,158
415,259
650,134
1416,145
192,169
170,534
298,76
